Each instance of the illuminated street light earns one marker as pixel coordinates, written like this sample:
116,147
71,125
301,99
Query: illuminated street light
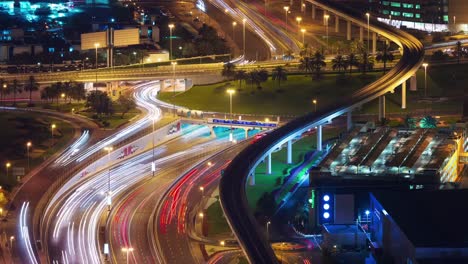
202,190
28,146
230,92
425,78
153,165
12,238
298,20
7,165
127,250
222,243
171,26
243,34
368,31
52,127
315,104
234,24
303,32
326,16
201,215
268,230
286,11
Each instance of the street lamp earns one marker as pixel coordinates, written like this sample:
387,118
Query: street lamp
286,11
52,127
268,230
96,46
425,78
234,24
315,104
202,189
28,145
326,16
303,32
7,165
222,243
5,86
171,26
109,201
201,215
127,250
174,63
153,165
368,31
243,34
299,19
230,92
12,238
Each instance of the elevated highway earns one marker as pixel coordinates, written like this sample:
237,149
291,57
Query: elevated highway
235,206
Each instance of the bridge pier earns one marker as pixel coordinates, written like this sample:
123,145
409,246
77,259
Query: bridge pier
314,13
349,121
269,163
337,24
212,132
289,158
348,30
374,43
252,179
381,107
361,34
246,133
403,95
413,83
319,138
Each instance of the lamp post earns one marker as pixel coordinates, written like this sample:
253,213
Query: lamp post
303,32
109,201
52,127
315,104
127,250
202,190
28,145
7,165
243,34
286,11
153,165
96,46
234,24
171,26
425,78
230,92
5,86
298,20
268,230
326,16
174,63
12,238
368,31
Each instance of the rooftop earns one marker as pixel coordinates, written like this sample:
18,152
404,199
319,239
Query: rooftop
429,218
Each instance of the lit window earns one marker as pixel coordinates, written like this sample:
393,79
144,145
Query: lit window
395,4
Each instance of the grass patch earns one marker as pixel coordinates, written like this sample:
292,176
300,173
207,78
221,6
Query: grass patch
215,221
293,97
24,127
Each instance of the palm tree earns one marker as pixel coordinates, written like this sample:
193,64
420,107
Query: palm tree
366,62
279,74
339,62
240,75
15,87
352,60
317,63
305,50
57,89
262,76
31,86
384,56
77,91
305,64
228,70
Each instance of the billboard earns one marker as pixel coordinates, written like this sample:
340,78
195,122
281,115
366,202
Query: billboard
89,39
126,37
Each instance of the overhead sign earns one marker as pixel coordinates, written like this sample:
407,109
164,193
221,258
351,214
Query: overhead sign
89,40
126,37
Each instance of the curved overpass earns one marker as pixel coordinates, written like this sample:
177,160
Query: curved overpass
233,183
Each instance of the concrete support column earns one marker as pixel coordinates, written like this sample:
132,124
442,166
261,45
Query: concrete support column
313,12
289,158
403,95
413,83
349,121
319,138
381,107
252,179
325,20
269,163
212,132
348,30
337,24
361,34
374,42
246,133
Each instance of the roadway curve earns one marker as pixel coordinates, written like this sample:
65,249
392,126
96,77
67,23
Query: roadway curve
233,183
